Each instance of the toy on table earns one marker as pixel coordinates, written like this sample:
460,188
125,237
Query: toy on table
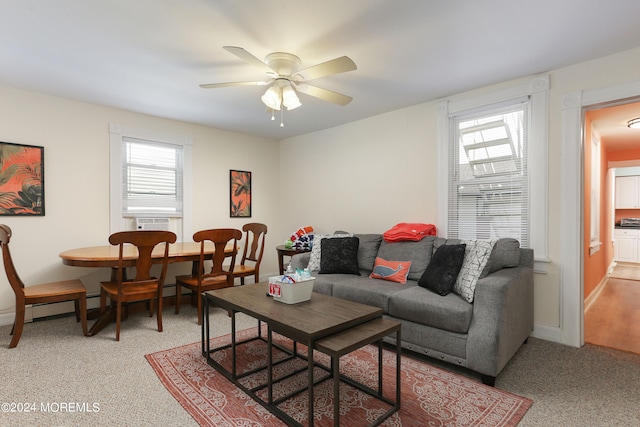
301,239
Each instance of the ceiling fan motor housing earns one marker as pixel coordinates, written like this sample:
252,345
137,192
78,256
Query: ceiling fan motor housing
285,64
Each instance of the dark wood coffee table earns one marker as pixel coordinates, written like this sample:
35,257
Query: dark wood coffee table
307,323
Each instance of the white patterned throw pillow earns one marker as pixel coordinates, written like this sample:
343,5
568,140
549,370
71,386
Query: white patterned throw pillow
475,258
314,258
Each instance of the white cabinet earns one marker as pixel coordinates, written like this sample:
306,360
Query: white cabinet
627,192
626,245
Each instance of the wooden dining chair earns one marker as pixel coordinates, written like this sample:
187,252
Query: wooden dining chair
144,286
45,293
220,275
252,253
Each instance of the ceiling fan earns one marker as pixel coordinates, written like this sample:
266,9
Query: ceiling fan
286,79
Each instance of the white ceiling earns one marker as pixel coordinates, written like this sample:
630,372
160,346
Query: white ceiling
149,56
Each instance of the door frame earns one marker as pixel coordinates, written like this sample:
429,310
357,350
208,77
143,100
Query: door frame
572,275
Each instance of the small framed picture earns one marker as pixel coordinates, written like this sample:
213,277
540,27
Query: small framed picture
240,194
21,180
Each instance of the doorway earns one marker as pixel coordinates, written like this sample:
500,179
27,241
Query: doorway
612,307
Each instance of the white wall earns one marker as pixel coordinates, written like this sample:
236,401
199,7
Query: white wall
76,140
368,175
365,176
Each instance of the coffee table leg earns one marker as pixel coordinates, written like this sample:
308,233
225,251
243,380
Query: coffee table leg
205,328
335,366
380,367
233,344
398,379
269,367
310,381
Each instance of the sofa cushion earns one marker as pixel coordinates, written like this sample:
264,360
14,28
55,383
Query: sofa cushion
323,284
416,304
368,250
419,253
374,292
339,256
442,271
314,258
394,271
476,256
505,254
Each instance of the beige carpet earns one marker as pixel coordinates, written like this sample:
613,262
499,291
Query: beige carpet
588,386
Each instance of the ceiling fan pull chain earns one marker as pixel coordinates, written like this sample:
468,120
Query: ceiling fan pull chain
282,117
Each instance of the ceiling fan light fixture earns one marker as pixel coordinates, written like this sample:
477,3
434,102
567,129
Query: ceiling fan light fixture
290,98
272,98
634,123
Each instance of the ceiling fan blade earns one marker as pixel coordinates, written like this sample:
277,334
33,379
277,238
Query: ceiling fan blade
214,85
244,55
334,66
324,94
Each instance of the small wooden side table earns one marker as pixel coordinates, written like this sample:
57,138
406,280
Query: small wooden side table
282,252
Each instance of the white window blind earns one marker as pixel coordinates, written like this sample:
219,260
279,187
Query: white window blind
488,177
151,178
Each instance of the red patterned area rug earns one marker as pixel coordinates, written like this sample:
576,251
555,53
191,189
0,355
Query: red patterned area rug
430,396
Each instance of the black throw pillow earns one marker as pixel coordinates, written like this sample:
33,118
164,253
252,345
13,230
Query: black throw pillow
339,255
442,271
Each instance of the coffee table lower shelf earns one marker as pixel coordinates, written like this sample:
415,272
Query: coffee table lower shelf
352,339
335,346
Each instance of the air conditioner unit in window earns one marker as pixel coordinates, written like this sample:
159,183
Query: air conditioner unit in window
152,224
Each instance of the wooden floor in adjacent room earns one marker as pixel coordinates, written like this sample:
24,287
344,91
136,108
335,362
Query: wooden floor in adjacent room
613,319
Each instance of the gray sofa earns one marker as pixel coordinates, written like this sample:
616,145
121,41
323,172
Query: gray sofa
481,336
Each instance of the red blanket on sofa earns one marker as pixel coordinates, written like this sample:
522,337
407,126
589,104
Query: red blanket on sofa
409,231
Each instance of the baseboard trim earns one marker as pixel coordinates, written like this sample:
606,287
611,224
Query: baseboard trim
7,319
40,311
593,296
548,333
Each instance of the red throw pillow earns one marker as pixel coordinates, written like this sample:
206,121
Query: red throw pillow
394,271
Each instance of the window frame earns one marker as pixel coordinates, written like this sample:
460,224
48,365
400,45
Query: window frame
537,89
594,226
117,133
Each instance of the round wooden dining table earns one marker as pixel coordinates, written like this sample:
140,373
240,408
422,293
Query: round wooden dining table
108,256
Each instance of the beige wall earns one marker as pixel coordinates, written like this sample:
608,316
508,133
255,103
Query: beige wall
368,175
76,140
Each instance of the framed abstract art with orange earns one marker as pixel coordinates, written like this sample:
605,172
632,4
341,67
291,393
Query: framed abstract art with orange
240,194
21,180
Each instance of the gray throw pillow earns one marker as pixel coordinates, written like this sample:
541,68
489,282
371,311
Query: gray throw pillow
418,253
505,253
368,250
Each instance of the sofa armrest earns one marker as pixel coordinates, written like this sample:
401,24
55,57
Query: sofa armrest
502,318
300,261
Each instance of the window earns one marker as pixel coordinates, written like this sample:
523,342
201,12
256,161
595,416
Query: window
488,191
493,168
151,178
